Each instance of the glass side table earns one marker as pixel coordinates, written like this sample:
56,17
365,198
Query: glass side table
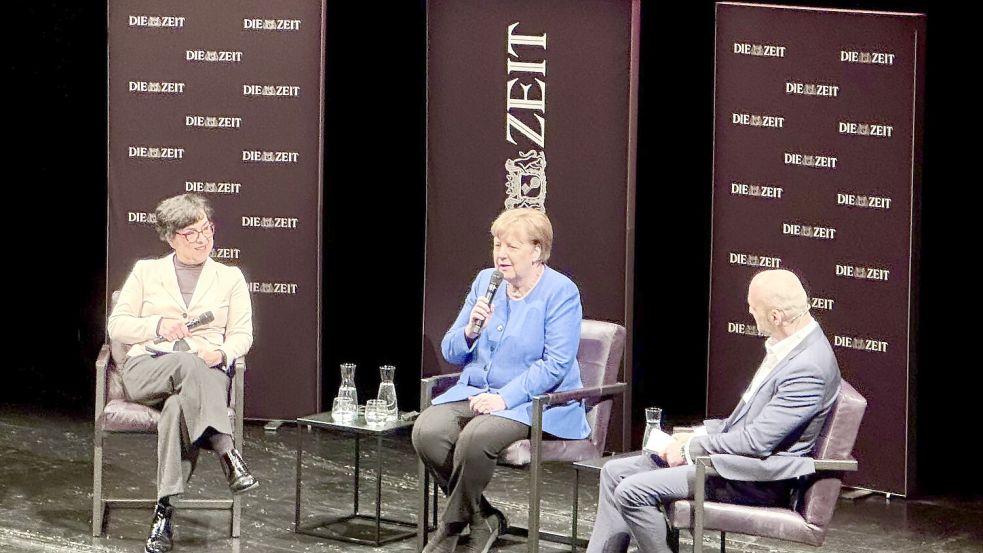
383,530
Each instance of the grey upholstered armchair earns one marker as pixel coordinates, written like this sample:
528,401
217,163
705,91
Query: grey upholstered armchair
602,346
808,520
114,415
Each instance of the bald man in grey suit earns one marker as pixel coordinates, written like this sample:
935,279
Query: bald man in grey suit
758,451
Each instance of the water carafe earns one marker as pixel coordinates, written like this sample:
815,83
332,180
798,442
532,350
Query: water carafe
387,391
347,388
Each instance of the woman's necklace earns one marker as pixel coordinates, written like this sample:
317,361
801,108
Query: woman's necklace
517,295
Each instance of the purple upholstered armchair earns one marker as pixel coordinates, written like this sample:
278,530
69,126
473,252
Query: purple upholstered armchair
602,345
808,521
115,415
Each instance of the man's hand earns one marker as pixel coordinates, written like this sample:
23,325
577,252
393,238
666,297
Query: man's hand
673,454
486,403
682,437
211,358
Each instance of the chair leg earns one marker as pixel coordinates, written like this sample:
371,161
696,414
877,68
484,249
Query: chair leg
239,439
723,542
433,502
535,471
236,517
98,508
422,507
576,511
533,538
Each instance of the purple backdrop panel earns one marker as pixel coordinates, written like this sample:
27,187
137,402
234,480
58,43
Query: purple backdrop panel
530,103
817,150
226,101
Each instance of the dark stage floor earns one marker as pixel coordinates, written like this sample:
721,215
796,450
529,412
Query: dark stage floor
46,486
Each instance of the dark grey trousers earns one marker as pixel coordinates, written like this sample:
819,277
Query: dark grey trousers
461,449
194,397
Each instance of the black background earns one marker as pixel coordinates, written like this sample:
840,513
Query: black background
54,210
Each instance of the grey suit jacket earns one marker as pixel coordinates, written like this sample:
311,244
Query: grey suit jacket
771,436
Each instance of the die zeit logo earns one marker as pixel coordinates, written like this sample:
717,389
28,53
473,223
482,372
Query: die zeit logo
271,24
868,58
270,222
156,87
276,288
751,260
216,56
155,152
759,50
157,21
212,187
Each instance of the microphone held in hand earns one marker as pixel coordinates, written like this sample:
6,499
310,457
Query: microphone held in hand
202,319
493,284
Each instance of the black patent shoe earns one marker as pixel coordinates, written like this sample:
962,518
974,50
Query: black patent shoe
161,532
237,473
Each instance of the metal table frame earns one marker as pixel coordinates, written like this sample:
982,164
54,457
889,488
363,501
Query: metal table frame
593,466
316,525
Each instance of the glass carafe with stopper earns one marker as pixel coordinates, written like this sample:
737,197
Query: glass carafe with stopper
347,388
387,391
653,423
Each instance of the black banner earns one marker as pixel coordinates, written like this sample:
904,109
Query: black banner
817,160
227,102
530,103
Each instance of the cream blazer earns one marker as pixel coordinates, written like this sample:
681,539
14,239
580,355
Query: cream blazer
151,293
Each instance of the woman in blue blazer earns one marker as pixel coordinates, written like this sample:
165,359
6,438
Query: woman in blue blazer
527,346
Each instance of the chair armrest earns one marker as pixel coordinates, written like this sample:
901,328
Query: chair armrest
704,467
441,378
437,383
102,366
684,429
596,394
239,399
102,360
836,465
540,402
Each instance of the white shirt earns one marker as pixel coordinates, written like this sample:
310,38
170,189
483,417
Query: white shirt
775,352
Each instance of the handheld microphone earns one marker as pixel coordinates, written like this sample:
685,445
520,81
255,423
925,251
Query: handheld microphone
493,284
202,319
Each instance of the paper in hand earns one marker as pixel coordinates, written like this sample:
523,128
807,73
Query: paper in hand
657,441
157,351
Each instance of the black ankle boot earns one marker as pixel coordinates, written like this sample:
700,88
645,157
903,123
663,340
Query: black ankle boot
236,471
161,532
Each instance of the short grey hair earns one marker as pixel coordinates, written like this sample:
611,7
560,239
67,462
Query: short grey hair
177,212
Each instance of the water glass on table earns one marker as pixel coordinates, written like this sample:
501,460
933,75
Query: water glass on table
375,412
343,409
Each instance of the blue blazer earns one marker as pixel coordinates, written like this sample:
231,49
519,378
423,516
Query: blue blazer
529,347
